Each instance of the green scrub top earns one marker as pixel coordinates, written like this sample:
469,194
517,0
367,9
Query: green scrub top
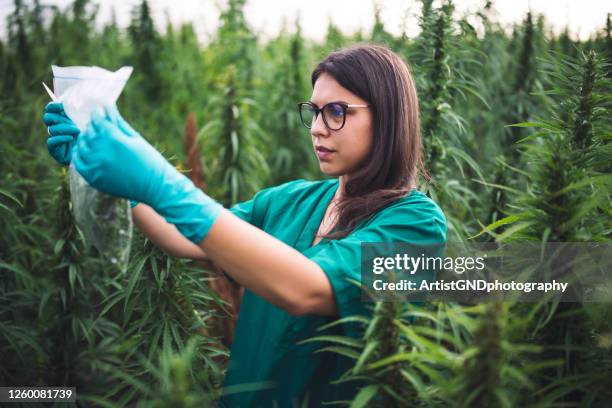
266,365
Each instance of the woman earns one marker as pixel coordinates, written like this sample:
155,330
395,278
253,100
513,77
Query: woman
294,247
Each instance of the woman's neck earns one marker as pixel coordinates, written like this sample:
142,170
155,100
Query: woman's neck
341,186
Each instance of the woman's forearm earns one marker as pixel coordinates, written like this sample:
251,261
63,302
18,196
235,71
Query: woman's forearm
269,267
165,235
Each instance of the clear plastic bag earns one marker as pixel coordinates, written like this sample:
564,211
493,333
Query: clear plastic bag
106,221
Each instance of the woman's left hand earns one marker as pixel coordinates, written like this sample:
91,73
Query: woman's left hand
115,159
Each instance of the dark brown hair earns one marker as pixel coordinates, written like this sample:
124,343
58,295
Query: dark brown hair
379,76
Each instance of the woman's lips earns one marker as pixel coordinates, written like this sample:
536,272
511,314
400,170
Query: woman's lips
324,154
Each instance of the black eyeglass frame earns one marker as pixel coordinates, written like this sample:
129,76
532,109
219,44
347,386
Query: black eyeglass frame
318,110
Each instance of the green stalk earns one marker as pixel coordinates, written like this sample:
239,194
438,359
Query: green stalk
65,350
483,369
582,128
438,83
386,334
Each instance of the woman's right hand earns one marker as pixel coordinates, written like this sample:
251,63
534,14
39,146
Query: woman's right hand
62,132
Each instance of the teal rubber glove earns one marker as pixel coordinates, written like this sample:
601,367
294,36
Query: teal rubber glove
115,159
62,132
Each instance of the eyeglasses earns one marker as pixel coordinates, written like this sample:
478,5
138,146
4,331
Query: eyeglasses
334,114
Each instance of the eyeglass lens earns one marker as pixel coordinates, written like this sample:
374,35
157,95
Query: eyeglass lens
333,115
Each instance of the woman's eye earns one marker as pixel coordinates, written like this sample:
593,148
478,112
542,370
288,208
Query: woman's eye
336,110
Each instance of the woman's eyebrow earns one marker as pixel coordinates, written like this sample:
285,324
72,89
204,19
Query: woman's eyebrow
336,101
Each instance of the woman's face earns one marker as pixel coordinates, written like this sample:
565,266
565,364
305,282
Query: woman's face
340,152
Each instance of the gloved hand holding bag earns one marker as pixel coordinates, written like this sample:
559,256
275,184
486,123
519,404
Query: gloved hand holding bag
115,159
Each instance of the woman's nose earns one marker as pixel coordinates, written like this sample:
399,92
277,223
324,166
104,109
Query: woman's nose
318,127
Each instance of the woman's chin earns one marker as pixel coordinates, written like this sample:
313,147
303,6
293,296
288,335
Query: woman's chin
330,170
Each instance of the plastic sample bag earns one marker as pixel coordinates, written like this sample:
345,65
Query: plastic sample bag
106,221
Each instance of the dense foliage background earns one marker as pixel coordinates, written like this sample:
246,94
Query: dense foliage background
144,338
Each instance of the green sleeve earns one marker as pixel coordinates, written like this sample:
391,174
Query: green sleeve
417,223
244,210
254,210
